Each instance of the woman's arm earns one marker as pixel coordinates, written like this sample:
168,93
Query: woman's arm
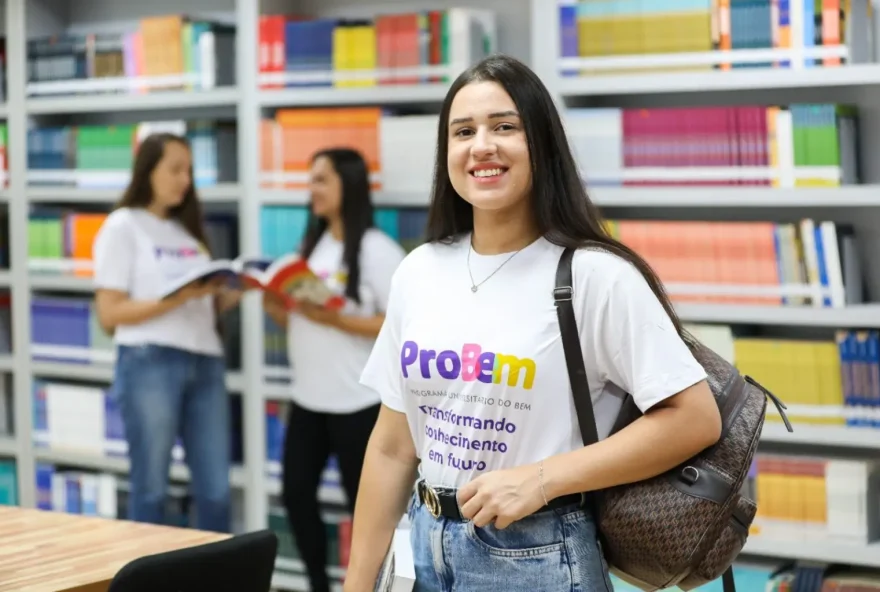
355,325
387,479
116,308
627,340
363,326
227,299
381,258
275,310
634,345
675,429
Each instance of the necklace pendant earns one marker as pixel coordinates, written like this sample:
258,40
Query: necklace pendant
474,288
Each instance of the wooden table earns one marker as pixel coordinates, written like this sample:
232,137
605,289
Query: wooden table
43,551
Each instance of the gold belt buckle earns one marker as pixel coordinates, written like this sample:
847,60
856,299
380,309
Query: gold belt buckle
432,502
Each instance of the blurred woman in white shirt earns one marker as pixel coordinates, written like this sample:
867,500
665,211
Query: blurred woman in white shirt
170,368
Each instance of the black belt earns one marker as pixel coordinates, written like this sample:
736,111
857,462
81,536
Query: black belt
444,501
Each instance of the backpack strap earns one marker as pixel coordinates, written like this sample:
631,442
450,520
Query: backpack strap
563,293
727,581
571,344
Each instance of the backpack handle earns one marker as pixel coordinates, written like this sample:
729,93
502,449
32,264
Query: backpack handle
563,293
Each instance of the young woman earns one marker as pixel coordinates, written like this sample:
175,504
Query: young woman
170,371
331,411
471,370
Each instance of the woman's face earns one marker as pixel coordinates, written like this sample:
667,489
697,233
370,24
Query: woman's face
488,155
325,188
171,178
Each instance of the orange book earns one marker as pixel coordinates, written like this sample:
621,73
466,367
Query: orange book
831,28
724,39
162,47
81,231
305,131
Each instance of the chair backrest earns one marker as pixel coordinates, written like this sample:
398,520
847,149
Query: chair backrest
242,562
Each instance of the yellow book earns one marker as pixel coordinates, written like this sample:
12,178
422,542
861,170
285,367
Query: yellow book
829,382
773,142
363,51
342,40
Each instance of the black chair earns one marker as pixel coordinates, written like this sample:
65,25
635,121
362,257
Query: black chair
242,563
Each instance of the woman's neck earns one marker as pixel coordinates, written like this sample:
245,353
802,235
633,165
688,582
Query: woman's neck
157,210
335,228
503,231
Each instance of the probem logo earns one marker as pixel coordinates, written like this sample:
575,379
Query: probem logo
471,364
176,252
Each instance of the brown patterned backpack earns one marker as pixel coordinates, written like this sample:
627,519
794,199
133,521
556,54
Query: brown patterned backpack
684,527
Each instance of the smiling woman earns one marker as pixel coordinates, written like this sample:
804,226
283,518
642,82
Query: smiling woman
507,202
488,155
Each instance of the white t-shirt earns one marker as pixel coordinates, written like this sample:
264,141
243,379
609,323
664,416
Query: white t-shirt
482,376
326,362
138,252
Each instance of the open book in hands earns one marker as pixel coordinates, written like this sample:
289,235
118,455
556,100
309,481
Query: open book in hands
288,278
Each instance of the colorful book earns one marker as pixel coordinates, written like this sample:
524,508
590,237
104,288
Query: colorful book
288,278
231,272
291,280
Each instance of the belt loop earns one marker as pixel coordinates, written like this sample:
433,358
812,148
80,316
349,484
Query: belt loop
417,495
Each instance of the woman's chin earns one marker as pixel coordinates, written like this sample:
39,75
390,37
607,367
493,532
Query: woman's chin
491,201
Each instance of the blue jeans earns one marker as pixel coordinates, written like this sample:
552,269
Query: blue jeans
550,550
162,392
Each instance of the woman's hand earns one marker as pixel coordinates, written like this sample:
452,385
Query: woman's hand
318,314
504,496
228,298
272,301
199,290
276,308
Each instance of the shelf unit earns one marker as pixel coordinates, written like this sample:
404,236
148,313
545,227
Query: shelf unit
816,551
27,18
527,30
854,84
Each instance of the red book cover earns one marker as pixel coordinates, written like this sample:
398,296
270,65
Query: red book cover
291,280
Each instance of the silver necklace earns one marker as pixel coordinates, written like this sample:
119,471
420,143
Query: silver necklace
475,286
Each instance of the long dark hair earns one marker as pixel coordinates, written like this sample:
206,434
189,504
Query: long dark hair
139,192
356,211
562,210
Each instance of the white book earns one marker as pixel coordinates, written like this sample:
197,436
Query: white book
230,271
398,573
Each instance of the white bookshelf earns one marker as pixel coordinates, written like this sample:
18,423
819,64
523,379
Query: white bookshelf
802,549
855,76
858,196
221,193
8,446
867,439
310,97
865,316
528,30
149,102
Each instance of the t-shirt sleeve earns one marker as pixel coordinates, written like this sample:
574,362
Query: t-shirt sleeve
382,371
381,257
113,255
637,346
